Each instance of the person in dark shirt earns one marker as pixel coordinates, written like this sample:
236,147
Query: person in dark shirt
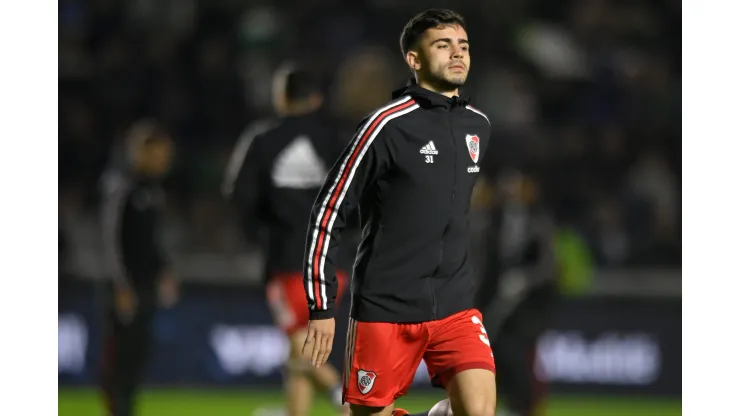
409,170
275,173
141,278
518,289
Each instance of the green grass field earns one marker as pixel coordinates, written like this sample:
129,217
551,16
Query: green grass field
156,402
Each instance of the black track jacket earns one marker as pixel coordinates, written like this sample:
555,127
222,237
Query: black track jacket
276,169
131,211
410,169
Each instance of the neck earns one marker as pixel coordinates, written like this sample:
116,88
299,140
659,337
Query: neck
434,88
299,109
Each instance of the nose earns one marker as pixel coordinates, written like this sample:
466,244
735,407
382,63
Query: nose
457,52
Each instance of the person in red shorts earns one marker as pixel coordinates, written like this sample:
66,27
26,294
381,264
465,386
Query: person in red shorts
276,170
410,169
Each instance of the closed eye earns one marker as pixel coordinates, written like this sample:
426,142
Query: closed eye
443,43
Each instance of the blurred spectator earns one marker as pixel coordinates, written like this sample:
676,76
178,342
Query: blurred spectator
364,82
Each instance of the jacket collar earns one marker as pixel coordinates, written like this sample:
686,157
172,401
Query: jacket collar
427,98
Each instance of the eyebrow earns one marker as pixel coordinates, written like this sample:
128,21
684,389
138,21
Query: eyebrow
449,40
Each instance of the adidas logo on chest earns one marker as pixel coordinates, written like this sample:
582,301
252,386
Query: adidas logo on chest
429,149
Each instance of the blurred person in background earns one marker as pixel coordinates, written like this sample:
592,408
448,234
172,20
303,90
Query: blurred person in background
362,84
133,201
410,169
274,175
518,287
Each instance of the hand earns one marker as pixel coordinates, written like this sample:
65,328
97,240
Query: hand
168,291
125,304
319,340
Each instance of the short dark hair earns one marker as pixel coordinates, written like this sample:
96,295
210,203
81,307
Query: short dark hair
300,83
427,19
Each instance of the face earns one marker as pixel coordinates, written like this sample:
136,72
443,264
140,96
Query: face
155,157
513,185
442,57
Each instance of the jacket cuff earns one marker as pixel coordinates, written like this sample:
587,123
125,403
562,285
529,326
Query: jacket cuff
323,314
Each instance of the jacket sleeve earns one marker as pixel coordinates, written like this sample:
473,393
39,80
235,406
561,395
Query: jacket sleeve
163,260
243,182
116,194
365,158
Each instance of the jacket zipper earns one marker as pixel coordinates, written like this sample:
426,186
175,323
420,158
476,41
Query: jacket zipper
454,178
449,221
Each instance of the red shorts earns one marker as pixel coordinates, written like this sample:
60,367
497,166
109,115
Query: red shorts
381,358
286,298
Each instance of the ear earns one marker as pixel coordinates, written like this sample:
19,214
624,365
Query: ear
413,59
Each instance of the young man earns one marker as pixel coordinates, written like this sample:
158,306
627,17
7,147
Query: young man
410,168
276,170
132,205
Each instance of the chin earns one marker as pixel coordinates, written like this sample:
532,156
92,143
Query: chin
449,82
456,81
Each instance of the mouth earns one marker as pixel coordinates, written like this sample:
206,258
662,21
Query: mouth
457,67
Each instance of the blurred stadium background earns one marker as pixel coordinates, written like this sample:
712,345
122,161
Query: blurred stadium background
585,101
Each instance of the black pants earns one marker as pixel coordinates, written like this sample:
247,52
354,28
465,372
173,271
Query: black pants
125,351
515,348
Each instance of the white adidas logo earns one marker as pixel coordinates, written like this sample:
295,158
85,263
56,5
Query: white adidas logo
298,166
429,149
